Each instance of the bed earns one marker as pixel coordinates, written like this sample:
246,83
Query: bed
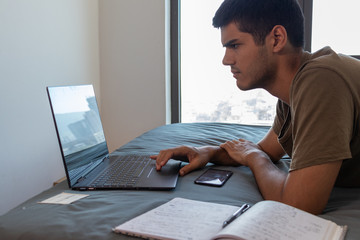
94,217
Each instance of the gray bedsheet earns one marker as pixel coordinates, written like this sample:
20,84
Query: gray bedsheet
93,217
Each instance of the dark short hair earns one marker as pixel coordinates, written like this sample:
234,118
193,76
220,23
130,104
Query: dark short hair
258,17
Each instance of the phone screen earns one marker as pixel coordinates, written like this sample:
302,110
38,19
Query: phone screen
214,177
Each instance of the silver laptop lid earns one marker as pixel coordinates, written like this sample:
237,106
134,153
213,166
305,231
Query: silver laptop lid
79,129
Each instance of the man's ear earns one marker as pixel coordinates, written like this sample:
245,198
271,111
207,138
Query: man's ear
279,38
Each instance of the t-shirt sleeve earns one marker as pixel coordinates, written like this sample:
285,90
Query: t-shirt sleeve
279,118
322,118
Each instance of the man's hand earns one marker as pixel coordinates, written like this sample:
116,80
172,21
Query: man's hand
242,150
197,158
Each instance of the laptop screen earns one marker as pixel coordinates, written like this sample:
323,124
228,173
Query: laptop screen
79,128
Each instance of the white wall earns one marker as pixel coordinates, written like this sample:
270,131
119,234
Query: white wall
42,43
56,42
133,69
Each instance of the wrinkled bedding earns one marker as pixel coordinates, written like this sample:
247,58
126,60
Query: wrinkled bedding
95,216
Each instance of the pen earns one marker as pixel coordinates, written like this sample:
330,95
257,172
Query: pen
240,211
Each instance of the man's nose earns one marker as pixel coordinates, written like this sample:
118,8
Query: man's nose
228,59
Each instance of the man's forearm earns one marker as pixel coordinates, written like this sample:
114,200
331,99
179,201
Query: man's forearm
219,156
269,178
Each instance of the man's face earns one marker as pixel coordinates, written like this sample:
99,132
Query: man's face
250,64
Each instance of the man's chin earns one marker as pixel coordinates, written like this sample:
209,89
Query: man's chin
244,88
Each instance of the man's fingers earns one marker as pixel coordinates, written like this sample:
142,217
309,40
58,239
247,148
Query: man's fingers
227,145
182,153
162,158
188,168
165,155
157,164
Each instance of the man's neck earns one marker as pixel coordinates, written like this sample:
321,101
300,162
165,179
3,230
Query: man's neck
288,65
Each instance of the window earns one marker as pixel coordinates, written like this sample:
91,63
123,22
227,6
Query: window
336,25
208,92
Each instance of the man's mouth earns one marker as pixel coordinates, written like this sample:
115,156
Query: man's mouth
235,73
235,70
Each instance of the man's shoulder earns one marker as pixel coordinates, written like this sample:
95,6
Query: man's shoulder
328,69
326,58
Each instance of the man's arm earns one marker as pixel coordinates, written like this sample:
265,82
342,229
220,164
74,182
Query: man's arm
271,146
308,188
197,157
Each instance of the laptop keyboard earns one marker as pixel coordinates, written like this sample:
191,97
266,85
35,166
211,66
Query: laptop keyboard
125,172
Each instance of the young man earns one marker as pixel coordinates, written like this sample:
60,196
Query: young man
318,111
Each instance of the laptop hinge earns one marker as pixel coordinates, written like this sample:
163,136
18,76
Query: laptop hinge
81,179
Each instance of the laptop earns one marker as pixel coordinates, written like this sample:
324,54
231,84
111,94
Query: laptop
88,164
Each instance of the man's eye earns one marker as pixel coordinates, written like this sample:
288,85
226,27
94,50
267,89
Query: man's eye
234,46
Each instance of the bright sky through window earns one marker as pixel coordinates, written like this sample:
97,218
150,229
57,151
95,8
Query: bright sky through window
335,24
208,89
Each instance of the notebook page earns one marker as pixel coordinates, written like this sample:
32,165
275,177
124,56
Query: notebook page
180,219
273,220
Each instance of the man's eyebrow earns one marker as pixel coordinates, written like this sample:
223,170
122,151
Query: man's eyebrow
231,42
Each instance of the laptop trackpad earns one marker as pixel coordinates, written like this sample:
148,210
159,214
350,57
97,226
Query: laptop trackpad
169,169
156,179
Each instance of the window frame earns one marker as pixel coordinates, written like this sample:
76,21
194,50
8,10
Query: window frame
175,61
175,50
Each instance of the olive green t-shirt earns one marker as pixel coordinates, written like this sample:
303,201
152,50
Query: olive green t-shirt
321,124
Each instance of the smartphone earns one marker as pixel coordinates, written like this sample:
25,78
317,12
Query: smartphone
214,177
